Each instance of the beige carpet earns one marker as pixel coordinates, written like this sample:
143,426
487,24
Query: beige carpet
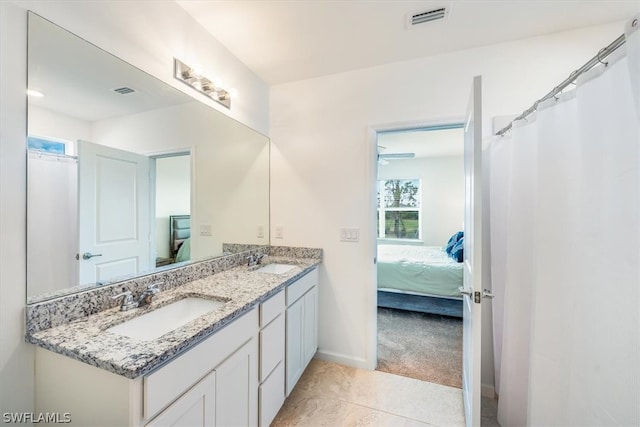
422,346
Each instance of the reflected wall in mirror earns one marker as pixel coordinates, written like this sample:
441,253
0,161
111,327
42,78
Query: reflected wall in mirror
127,174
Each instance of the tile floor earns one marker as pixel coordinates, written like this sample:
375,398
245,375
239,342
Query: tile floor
333,395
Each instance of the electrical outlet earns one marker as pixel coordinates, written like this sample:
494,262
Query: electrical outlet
349,234
261,232
279,232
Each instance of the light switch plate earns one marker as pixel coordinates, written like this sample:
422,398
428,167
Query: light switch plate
205,230
349,234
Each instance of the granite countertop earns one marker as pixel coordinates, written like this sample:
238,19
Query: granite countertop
87,341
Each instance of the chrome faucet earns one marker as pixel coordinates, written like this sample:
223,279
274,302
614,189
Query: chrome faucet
145,298
255,259
127,302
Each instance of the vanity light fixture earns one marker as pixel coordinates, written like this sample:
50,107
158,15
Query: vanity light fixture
191,77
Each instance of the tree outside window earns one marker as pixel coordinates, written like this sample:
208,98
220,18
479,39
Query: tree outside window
399,212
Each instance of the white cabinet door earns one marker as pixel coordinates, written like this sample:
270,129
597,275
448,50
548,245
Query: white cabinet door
272,395
310,339
195,408
237,387
302,335
295,330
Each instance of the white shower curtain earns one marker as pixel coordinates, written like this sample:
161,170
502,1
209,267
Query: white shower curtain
52,225
565,242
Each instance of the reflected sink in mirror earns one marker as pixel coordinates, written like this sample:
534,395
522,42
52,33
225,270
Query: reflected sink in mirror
276,268
165,319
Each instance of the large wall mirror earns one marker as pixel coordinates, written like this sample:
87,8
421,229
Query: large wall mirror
126,174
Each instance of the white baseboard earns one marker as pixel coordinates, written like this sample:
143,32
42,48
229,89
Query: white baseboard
341,359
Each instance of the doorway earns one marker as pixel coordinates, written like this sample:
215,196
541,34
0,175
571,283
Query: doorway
420,206
172,208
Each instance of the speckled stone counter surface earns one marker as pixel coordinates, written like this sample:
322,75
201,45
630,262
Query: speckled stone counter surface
242,288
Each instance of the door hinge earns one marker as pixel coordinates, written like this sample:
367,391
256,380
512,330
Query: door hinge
477,297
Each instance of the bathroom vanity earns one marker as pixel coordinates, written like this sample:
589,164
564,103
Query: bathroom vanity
230,366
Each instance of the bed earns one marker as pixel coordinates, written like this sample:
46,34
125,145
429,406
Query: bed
419,278
180,237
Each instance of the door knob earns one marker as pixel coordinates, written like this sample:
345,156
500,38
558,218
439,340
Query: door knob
487,294
89,255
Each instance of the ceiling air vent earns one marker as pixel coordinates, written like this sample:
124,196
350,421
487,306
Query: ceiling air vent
423,16
124,90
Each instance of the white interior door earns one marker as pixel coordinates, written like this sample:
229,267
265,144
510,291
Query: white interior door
472,289
113,212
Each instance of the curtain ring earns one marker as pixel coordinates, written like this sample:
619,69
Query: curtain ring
600,60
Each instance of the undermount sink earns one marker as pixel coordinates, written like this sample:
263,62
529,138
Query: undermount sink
276,268
165,319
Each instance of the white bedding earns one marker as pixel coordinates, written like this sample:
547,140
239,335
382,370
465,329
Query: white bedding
421,269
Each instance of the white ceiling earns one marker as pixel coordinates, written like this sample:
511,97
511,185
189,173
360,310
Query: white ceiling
289,40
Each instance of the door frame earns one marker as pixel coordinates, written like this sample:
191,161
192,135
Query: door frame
371,226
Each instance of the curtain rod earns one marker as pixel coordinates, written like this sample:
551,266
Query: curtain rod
603,53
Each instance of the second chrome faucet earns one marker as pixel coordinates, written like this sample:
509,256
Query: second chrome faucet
145,298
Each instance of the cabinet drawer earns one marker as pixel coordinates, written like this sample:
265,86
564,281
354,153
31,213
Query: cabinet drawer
301,286
271,395
270,309
168,382
272,346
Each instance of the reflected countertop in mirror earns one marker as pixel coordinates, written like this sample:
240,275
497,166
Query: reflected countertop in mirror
127,174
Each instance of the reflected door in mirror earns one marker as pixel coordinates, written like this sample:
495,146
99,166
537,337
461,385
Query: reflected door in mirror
114,213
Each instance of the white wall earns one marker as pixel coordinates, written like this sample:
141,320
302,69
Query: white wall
16,357
323,156
442,193
144,33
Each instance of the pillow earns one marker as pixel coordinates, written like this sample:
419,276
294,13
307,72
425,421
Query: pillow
457,250
452,241
184,253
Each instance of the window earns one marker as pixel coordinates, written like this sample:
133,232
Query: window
47,145
399,213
